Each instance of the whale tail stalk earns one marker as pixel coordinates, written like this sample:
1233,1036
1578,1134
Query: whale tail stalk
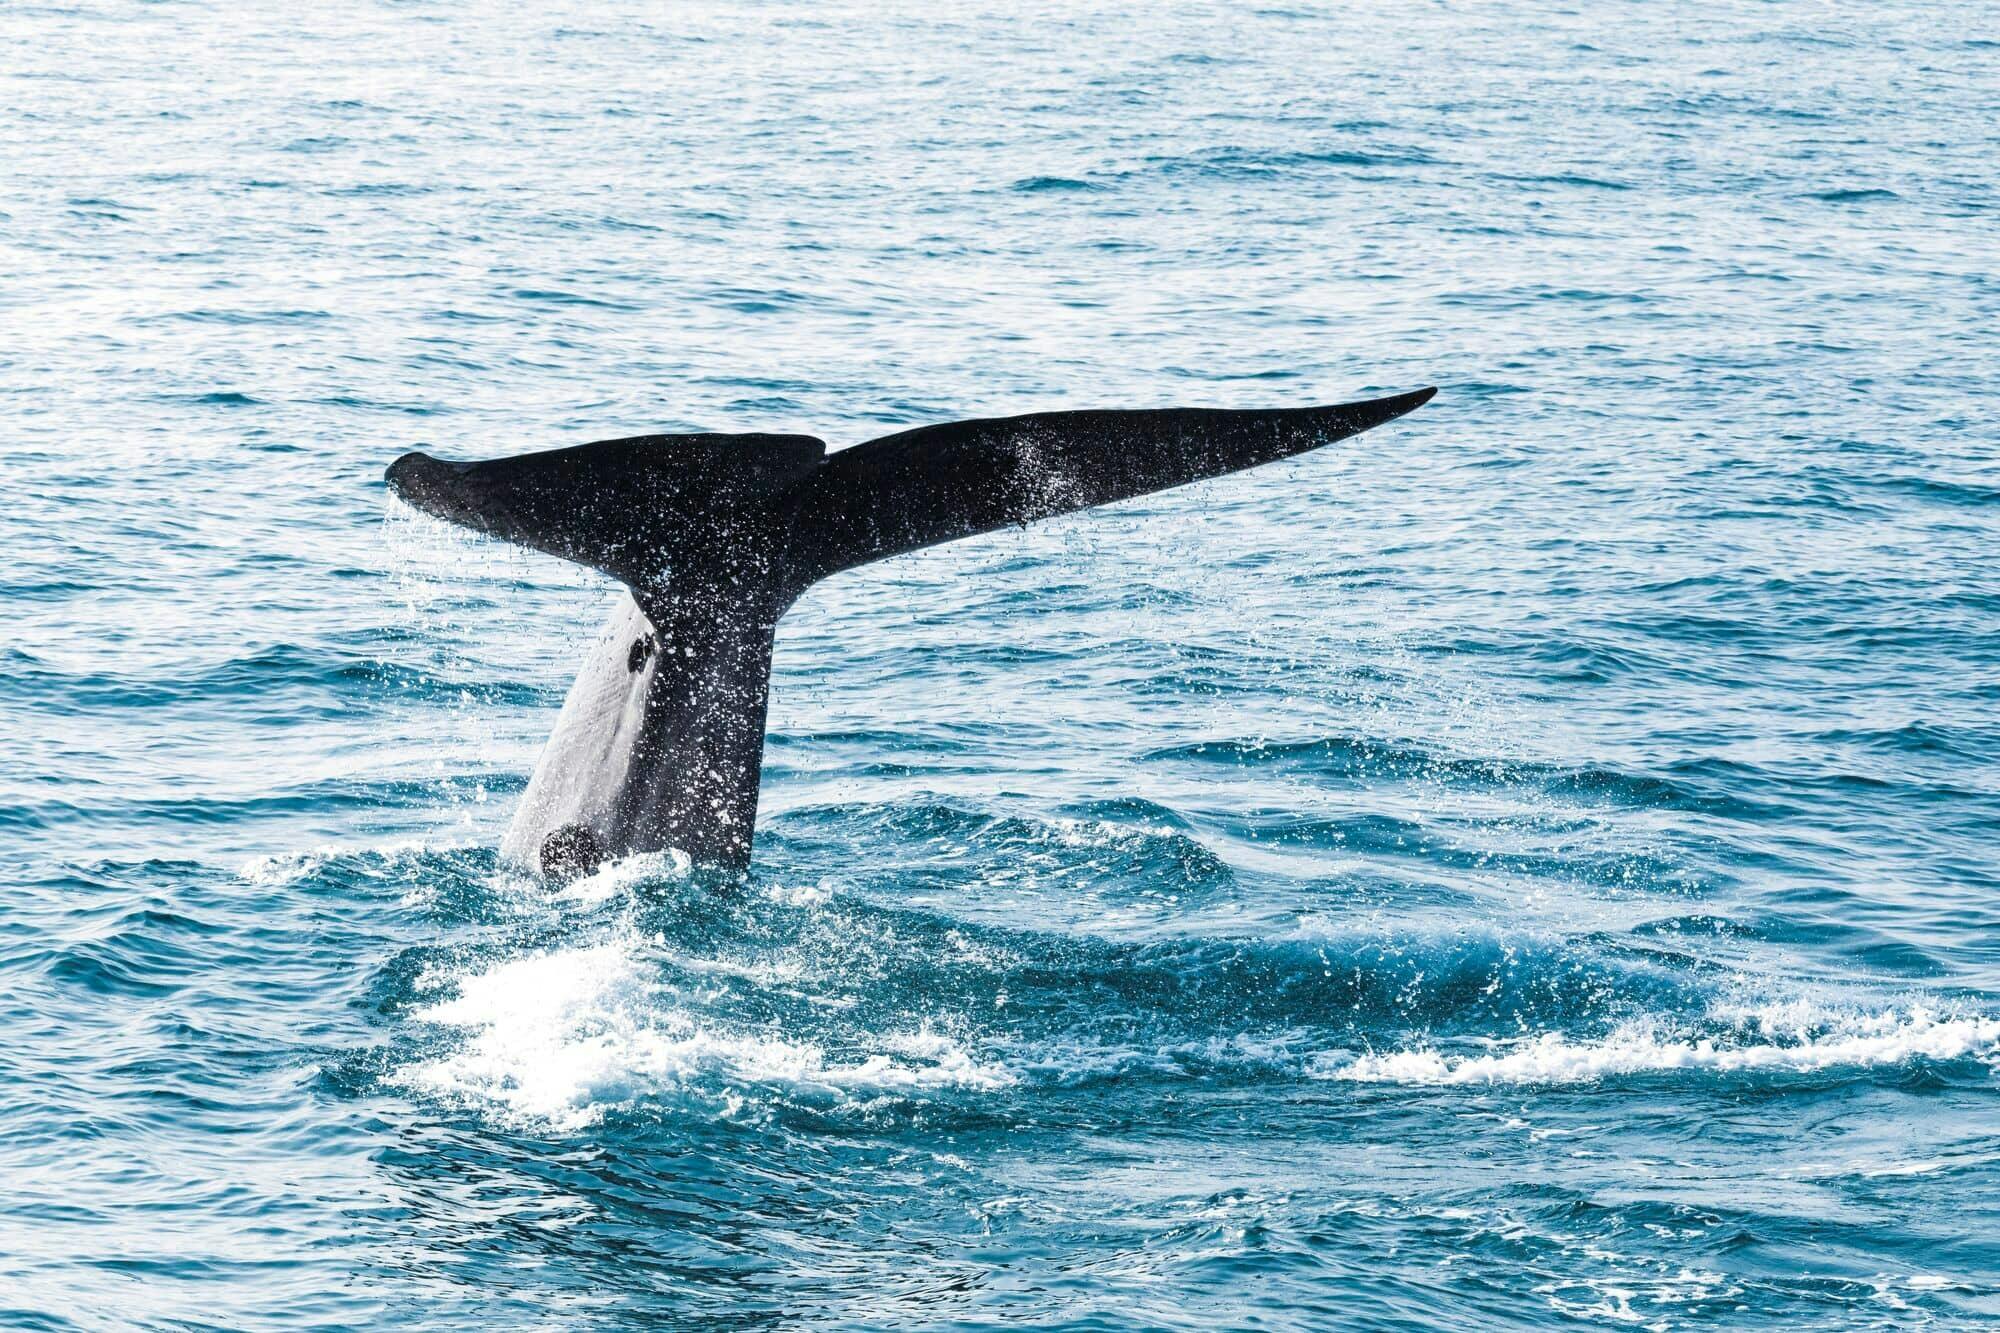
661,742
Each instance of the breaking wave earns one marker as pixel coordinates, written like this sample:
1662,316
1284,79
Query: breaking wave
1777,1040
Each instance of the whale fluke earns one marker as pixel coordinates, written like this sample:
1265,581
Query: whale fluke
940,483
660,744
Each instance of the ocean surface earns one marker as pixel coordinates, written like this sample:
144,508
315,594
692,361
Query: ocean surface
1533,865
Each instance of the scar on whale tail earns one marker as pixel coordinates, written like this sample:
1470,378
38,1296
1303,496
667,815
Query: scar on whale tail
661,741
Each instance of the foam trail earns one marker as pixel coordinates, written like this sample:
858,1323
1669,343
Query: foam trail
1889,1037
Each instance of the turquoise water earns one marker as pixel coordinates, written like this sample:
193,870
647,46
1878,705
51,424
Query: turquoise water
1531,865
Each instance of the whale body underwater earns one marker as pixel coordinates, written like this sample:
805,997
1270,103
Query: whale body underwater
660,743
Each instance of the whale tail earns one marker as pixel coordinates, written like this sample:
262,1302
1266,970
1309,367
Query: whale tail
635,508
716,535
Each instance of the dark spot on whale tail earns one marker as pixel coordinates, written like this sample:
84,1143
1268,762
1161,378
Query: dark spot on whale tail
572,851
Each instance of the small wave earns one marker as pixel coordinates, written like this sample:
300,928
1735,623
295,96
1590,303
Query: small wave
1252,164
1571,179
1367,760
1648,1046
1963,491
276,678
1853,196
233,317
553,297
216,398
1052,185
1139,841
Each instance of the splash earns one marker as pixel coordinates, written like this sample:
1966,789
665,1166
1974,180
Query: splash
615,879
556,1039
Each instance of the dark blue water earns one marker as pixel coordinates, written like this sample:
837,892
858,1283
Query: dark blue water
1534,864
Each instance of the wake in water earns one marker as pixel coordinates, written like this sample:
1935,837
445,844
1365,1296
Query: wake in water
648,990
1794,1037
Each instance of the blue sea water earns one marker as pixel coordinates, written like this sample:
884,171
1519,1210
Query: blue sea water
1533,865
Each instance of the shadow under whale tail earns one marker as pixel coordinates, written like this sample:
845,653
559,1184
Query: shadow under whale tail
660,744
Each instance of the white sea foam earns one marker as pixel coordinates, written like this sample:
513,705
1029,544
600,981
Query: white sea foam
557,1038
803,895
1790,1038
614,878
280,869
284,868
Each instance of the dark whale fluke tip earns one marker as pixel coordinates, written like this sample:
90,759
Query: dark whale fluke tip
415,478
1378,410
403,469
